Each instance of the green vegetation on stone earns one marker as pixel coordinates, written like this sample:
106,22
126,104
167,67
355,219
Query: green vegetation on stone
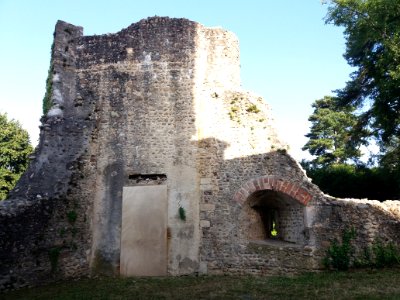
47,102
72,216
253,109
341,255
54,254
182,213
233,113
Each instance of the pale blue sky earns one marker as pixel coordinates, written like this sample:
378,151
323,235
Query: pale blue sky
288,55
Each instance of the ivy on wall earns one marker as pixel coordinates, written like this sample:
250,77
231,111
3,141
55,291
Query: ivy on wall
47,103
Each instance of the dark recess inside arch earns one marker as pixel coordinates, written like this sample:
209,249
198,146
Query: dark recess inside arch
279,216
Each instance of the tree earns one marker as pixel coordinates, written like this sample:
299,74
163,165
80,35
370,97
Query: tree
372,97
355,181
330,133
372,33
15,148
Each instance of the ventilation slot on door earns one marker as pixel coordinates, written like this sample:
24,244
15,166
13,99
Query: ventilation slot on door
139,179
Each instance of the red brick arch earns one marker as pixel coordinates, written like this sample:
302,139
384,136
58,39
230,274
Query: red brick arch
275,184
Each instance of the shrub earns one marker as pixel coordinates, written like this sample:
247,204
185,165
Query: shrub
385,255
253,109
72,216
338,255
54,254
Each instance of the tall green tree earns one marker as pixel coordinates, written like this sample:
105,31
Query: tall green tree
15,149
372,33
330,133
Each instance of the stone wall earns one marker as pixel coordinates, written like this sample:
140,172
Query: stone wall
142,80
43,226
160,103
373,221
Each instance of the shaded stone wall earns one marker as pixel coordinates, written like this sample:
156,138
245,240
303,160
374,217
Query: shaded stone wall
373,221
123,104
42,222
227,246
291,223
145,121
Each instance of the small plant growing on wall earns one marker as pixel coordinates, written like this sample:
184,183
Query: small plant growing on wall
54,254
282,151
72,216
234,113
253,109
47,103
338,255
182,213
378,256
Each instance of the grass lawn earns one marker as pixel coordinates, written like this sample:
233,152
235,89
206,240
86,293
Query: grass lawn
365,284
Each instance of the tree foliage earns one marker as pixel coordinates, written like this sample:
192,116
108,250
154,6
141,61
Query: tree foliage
330,133
372,33
355,181
15,148
370,101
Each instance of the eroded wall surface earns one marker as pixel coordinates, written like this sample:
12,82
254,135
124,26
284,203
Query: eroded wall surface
160,103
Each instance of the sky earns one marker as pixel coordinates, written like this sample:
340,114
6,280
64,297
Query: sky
289,55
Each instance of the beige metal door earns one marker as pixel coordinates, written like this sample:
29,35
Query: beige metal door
144,231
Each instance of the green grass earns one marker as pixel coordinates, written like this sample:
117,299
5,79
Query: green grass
366,284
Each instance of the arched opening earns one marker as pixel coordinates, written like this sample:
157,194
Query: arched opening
273,215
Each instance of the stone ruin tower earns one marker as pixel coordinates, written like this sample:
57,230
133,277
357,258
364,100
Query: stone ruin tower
153,161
